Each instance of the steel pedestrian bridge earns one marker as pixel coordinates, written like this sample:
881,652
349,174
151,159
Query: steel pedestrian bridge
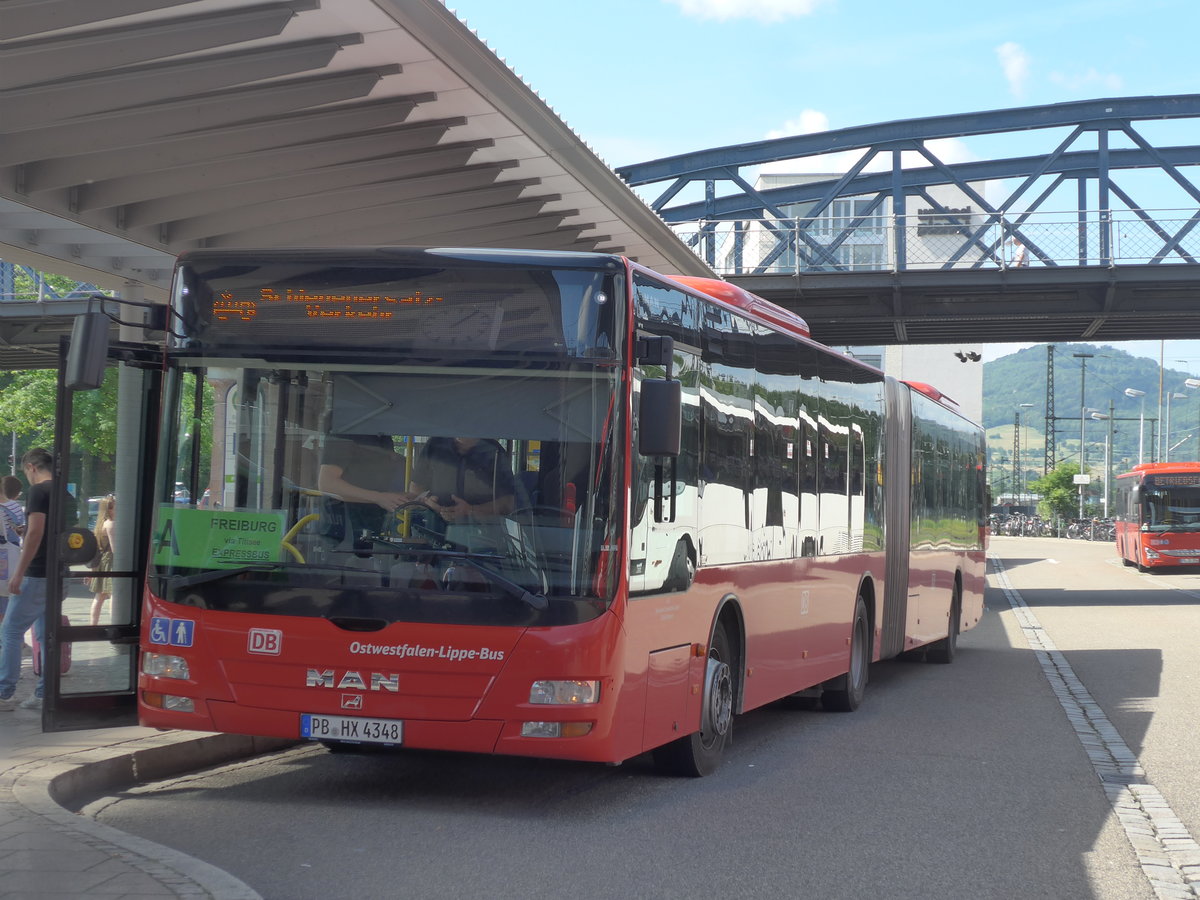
132,130
904,246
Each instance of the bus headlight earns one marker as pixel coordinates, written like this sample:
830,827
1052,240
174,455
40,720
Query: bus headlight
168,702
164,665
555,729
1151,554
564,693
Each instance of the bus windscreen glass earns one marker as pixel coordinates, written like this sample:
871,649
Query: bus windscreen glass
1171,502
453,494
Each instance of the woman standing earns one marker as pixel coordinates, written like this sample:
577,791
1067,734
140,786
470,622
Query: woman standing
101,582
12,520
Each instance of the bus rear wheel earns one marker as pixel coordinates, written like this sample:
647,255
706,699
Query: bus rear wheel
946,649
700,753
847,692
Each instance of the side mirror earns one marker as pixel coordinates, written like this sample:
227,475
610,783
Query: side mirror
660,418
87,355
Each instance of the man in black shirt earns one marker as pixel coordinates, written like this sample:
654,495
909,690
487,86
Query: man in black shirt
27,584
367,476
464,479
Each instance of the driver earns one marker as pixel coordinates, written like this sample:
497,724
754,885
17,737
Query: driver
367,475
464,479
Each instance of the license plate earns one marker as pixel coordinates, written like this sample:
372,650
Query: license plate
317,727
1189,560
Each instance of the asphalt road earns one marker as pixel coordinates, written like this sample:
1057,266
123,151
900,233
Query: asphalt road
960,781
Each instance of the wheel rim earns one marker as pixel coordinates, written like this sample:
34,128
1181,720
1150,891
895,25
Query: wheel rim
718,708
858,653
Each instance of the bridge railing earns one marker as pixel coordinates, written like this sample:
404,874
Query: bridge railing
955,239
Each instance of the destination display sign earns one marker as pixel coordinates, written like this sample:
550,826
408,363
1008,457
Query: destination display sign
248,308
1186,479
228,306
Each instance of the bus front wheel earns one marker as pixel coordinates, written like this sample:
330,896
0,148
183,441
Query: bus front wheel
700,753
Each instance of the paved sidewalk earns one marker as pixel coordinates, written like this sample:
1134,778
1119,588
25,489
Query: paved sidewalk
48,852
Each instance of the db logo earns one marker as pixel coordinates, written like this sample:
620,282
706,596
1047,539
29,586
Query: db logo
265,640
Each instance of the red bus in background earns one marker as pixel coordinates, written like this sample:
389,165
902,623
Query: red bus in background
705,510
1157,515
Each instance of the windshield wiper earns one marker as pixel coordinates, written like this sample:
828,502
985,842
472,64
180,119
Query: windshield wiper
187,581
537,601
475,560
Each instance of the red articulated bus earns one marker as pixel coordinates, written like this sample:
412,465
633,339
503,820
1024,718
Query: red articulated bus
672,506
1158,515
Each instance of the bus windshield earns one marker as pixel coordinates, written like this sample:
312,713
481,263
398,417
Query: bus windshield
459,494
1170,509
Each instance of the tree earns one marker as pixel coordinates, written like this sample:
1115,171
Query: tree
27,406
1060,494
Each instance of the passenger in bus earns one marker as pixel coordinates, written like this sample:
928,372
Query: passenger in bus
464,479
365,473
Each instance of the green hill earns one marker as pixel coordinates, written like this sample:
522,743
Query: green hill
1020,378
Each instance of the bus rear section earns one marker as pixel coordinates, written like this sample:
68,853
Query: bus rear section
1157,508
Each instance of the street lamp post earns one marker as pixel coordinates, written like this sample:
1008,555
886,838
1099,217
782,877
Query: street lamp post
1141,395
1099,416
1025,444
1167,431
1194,383
1083,358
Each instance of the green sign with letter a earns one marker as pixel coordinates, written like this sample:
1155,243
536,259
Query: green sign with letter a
185,537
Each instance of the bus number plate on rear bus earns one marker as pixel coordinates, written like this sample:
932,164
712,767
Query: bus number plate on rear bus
317,727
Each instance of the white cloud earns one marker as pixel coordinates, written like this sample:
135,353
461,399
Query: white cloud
813,121
762,10
1015,63
1079,82
810,122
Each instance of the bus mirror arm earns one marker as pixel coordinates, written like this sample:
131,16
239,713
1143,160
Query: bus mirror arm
656,350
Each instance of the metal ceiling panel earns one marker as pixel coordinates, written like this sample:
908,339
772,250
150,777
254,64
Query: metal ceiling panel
133,130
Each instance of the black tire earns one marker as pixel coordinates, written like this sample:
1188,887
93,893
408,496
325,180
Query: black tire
944,651
683,571
847,692
700,753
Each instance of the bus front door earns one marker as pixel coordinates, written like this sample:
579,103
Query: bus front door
104,452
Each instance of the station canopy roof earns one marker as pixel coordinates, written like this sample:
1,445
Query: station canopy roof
132,130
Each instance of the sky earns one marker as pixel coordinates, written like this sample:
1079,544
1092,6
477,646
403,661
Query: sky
642,79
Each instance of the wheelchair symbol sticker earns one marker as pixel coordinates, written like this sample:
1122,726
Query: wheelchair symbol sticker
175,632
160,630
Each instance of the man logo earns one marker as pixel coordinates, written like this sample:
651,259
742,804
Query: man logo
352,701
268,641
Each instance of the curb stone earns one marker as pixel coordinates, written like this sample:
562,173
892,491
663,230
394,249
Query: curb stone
49,789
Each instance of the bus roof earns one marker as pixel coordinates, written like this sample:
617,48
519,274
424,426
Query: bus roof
740,298
933,394
1161,468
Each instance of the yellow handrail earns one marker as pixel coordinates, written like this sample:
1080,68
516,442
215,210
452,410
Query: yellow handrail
286,543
